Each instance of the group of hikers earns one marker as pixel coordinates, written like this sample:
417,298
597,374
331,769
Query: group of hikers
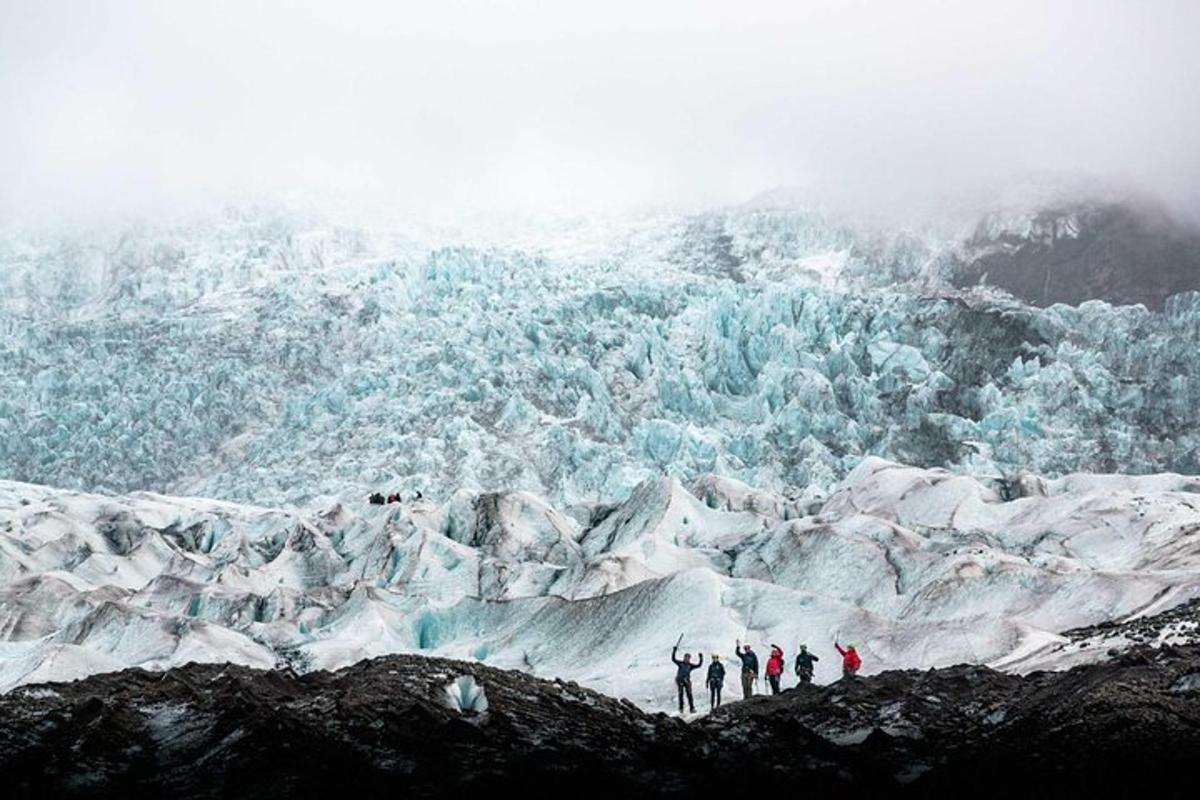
377,499
715,680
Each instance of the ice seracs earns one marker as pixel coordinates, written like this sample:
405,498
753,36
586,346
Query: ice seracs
273,360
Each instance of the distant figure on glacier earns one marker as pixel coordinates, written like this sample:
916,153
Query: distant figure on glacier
394,497
749,668
851,663
376,499
804,664
775,668
716,679
683,676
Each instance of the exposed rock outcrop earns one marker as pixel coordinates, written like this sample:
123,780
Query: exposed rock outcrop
385,725
1120,252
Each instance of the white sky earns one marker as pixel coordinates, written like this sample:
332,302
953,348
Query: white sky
465,106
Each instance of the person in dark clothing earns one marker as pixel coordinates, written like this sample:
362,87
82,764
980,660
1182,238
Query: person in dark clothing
804,664
749,668
683,676
376,499
716,679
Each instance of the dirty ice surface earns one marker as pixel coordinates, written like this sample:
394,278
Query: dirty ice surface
918,567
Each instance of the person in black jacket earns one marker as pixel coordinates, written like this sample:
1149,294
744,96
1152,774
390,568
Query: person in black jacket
804,664
749,668
683,676
716,679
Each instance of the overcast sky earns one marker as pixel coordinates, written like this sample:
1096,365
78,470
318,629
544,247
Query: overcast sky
528,105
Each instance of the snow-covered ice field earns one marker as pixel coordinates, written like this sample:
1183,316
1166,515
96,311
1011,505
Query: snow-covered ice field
919,567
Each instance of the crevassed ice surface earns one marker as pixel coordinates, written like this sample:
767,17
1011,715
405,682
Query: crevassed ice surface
271,360
918,567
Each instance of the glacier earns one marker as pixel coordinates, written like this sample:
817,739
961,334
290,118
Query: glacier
758,423
277,360
920,567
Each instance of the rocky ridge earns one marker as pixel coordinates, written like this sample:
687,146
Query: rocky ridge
406,723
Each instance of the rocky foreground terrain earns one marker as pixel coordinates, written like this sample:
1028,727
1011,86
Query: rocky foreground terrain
416,727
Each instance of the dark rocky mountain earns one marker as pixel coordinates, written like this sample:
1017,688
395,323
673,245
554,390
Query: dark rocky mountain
1121,252
391,725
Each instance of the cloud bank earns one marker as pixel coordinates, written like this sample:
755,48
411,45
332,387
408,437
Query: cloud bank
449,107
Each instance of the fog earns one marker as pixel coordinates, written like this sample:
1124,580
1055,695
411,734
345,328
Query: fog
463,107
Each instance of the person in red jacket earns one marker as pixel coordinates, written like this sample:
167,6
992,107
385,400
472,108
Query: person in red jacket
850,660
775,668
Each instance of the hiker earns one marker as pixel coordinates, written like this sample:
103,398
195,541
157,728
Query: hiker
715,680
376,499
804,664
749,668
851,663
775,668
394,498
683,676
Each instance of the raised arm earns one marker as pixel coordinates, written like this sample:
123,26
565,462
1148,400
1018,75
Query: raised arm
674,651
841,652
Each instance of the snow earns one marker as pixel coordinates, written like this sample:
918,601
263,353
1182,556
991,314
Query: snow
919,567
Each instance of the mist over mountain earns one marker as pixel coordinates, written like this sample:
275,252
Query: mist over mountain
1124,253
476,107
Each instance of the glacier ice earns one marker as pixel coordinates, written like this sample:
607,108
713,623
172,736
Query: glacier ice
283,361
691,425
465,695
923,567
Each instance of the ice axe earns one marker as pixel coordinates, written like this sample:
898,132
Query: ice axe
679,641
